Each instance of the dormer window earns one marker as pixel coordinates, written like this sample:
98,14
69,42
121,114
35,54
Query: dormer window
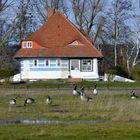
75,43
29,44
23,44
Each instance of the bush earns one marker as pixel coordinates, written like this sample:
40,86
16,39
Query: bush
121,71
110,74
136,73
6,74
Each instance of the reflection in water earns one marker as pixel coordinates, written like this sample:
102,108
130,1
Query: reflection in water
44,121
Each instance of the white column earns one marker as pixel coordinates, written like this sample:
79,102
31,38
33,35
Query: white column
95,67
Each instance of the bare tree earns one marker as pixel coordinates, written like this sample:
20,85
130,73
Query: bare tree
132,52
88,16
40,8
24,21
6,33
5,27
136,60
4,4
115,29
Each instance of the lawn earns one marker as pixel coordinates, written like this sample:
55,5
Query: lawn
74,131
111,115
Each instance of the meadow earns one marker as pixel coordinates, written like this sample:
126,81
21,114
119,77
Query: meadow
111,115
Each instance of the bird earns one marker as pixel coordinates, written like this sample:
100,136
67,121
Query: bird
49,100
133,95
75,91
84,97
95,92
29,101
12,101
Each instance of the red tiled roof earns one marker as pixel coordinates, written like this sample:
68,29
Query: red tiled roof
66,51
54,37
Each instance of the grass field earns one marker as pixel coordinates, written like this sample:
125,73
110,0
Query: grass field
111,115
113,131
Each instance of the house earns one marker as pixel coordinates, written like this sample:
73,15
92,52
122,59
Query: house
58,50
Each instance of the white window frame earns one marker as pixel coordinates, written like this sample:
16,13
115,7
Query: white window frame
74,43
24,44
86,66
35,62
58,62
65,64
47,61
29,44
75,65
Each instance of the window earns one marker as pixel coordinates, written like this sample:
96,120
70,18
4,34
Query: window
23,44
86,65
75,43
47,62
35,62
75,64
65,63
58,62
29,44
26,44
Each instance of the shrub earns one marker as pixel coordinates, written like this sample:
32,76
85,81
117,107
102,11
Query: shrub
136,73
110,74
121,71
6,74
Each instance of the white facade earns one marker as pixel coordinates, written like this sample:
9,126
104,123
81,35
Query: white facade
56,68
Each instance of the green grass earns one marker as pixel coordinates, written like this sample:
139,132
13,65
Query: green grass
111,115
61,84
113,131
108,105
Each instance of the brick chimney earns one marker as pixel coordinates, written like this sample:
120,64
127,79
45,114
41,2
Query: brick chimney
50,12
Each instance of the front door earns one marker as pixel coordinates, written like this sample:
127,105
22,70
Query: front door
75,68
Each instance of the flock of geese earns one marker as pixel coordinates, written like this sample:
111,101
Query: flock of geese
84,97
75,92
29,101
81,93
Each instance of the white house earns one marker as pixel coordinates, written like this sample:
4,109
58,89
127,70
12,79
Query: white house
58,50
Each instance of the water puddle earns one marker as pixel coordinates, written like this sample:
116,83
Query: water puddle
9,122
44,121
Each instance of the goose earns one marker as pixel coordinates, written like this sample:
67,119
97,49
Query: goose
29,101
95,92
49,100
133,95
12,101
75,91
84,97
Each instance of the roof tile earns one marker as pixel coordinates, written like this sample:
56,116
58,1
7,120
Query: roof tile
53,39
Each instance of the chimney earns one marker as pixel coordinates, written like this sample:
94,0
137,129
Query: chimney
50,12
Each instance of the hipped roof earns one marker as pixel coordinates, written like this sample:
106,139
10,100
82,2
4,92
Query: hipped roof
54,39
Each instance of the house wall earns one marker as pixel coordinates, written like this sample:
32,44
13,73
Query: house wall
53,71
